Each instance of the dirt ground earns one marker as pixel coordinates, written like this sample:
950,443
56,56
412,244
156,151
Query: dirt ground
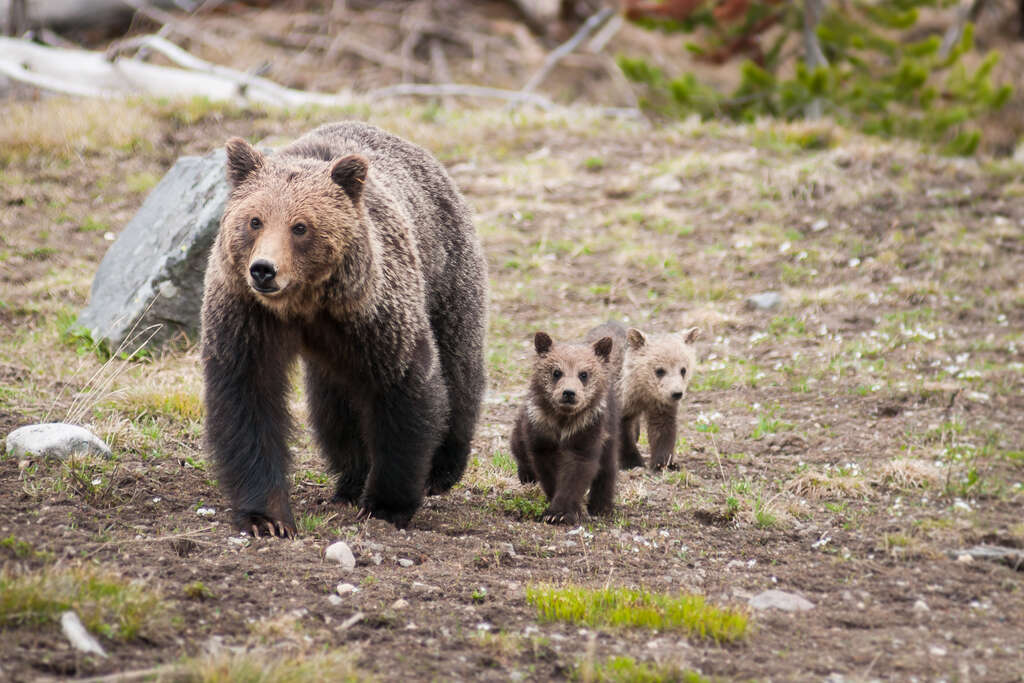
843,446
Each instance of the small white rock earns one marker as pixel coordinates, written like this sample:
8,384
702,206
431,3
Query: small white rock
206,512
54,440
80,638
921,606
340,552
400,603
345,588
819,225
335,600
788,602
405,562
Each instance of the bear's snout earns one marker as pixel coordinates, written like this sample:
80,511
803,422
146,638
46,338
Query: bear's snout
263,273
677,395
568,396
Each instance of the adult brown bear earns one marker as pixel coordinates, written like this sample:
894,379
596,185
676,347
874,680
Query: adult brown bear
353,249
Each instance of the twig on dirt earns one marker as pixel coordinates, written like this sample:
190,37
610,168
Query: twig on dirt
159,539
588,27
351,621
157,672
459,90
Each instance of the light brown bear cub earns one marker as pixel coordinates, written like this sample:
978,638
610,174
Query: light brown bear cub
653,373
565,435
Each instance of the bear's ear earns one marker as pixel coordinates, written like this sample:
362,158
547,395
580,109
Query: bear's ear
243,160
542,343
635,338
691,335
349,173
603,348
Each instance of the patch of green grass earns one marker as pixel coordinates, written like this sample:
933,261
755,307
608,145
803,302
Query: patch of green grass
628,670
144,181
504,462
93,224
528,505
626,607
594,164
197,590
311,523
106,603
18,549
787,326
176,403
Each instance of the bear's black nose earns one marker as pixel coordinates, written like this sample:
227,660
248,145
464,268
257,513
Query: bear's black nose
568,396
676,395
262,272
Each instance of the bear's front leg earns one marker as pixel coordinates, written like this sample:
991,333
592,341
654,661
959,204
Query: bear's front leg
245,359
407,422
661,432
576,471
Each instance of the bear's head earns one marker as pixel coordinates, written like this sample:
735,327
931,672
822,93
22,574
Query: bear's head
656,369
569,379
291,224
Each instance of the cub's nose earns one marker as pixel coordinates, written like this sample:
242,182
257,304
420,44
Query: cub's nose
263,273
676,395
568,396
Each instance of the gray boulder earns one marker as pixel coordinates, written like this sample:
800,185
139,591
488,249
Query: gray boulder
151,278
776,599
54,440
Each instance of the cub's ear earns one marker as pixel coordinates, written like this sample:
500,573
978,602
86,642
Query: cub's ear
542,342
603,348
691,335
243,160
350,175
635,338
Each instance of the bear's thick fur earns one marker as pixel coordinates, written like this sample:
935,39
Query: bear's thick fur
565,434
353,249
652,374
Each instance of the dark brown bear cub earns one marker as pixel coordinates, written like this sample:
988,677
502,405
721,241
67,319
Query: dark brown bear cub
564,436
352,249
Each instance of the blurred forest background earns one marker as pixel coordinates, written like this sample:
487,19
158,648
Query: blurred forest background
937,70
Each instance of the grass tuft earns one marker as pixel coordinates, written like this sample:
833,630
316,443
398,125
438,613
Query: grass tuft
628,670
251,666
626,607
106,603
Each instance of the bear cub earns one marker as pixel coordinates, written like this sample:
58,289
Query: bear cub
565,435
351,249
652,375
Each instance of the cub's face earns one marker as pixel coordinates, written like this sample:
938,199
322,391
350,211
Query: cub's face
290,224
660,366
569,378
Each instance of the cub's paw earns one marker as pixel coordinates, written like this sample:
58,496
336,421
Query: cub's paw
259,524
400,517
571,516
600,509
526,476
347,492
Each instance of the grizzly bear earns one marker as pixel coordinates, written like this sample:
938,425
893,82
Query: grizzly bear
352,249
564,435
651,375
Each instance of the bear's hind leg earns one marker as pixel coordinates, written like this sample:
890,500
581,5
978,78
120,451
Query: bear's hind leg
338,431
629,433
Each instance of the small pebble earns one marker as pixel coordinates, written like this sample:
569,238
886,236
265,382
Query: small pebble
405,562
340,552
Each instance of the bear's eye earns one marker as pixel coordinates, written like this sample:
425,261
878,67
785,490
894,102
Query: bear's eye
557,374
299,229
660,372
682,372
255,223
583,376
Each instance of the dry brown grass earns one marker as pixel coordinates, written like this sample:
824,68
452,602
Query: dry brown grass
910,473
821,485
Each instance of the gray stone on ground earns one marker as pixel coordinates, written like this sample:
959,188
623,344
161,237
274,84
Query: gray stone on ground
153,274
765,301
55,440
788,602
340,552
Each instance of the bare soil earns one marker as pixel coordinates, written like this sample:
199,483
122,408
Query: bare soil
899,339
